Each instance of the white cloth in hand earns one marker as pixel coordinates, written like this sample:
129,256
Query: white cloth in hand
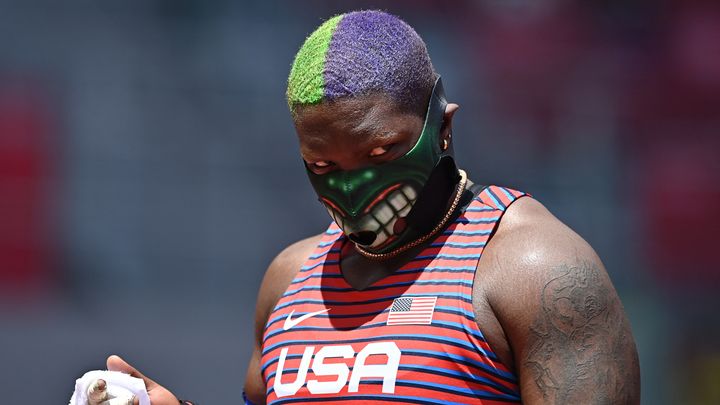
118,385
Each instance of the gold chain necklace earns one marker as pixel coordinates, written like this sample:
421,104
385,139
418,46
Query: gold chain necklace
458,194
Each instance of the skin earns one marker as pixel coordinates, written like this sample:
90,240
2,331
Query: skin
158,394
98,395
541,295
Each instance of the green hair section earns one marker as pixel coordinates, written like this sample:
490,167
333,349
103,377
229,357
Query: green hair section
306,84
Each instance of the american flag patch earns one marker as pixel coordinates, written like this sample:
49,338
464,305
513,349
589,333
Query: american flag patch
411,311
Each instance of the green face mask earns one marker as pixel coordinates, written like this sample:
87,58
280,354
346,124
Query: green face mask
375,205
382,207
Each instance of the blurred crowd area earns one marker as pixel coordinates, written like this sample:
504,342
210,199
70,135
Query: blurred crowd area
149,170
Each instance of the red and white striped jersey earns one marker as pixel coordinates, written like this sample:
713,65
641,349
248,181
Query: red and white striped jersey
409,338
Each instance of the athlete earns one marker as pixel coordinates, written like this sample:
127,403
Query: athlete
427,288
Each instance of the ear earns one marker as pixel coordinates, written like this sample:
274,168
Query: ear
446,130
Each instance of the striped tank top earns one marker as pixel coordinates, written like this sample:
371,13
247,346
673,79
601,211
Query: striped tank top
409,338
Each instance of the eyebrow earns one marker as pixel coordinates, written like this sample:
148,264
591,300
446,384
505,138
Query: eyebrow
383,135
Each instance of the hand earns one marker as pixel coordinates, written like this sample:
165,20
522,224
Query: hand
98,394
159,395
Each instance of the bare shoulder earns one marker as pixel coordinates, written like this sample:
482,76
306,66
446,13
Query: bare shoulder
280,274
566,326
527,244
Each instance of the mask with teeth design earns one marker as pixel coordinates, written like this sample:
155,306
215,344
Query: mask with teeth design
386,206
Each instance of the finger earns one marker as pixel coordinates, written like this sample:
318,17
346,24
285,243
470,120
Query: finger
115,363
121,401
97,392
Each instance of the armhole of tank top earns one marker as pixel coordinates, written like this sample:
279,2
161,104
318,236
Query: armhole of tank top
329,238
477,321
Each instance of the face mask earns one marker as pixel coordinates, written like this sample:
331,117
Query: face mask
383,207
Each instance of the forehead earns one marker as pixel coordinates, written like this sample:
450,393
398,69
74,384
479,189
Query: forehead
354,120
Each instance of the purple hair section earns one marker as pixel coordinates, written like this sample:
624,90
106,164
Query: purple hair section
373,51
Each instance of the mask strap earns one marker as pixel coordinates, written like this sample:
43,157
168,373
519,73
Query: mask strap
433,198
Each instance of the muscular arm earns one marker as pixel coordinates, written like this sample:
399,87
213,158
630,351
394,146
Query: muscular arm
580,348
278,276
569,335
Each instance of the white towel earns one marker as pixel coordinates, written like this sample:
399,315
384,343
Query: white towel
119,385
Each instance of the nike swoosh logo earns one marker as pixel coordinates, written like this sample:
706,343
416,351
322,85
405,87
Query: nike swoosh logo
289,322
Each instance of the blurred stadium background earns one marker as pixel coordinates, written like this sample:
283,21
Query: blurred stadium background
149,171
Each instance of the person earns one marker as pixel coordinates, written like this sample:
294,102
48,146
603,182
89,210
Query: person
427,287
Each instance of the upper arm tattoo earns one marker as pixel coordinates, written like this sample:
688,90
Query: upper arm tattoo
581,349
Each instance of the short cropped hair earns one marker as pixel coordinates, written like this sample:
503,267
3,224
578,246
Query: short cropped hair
362,53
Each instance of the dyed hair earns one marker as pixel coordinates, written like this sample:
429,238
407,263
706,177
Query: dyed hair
362,53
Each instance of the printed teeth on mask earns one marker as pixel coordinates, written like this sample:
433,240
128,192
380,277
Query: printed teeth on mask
383,216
